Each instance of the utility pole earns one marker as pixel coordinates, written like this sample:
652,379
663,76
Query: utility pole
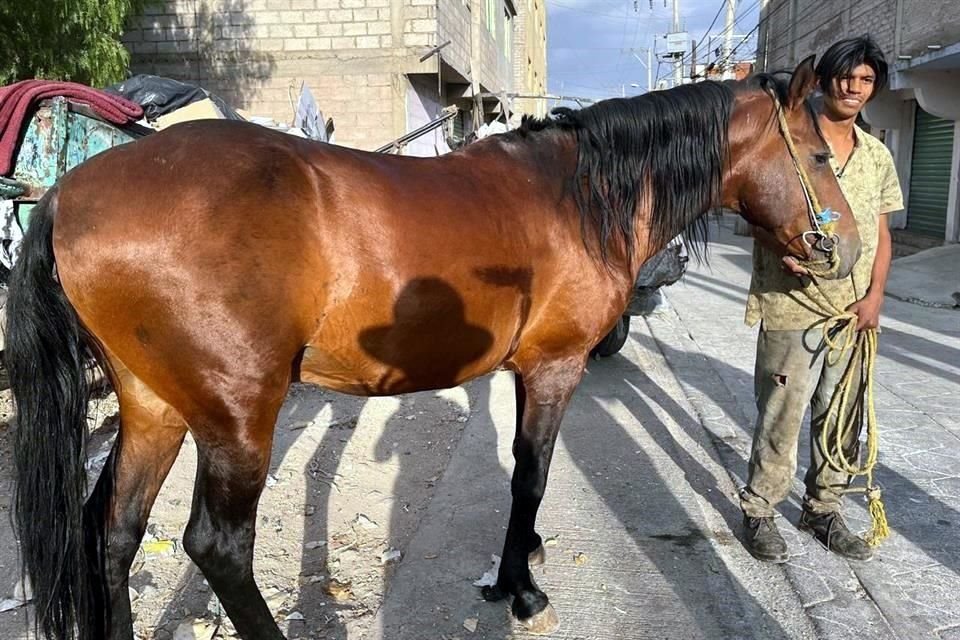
648,64
678,57
728,65
650,86
693,61
763,38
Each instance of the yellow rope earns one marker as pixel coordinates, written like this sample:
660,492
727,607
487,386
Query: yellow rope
840,335
843,420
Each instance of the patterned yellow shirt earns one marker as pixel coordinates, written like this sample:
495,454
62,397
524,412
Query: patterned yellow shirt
870,184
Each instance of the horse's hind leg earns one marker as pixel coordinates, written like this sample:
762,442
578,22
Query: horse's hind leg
233,457
542,398
150,436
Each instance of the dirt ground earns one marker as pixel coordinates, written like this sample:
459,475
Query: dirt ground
350,479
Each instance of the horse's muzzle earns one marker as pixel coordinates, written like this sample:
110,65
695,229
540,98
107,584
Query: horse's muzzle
846,254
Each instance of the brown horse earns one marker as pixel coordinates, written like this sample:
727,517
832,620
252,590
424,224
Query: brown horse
210,265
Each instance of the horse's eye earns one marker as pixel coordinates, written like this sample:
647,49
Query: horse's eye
821,159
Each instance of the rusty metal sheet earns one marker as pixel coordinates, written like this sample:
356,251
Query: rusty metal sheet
58,138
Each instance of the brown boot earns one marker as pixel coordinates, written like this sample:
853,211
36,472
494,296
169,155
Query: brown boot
831,531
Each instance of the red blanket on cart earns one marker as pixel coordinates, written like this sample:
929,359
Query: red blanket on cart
17,101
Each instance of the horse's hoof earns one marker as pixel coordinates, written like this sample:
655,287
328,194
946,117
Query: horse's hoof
547,621
537,556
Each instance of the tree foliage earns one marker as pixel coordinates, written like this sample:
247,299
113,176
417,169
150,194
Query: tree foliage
76,40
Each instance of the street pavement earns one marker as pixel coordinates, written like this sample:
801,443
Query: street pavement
910,589
929,278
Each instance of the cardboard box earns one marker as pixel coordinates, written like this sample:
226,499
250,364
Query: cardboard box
200,110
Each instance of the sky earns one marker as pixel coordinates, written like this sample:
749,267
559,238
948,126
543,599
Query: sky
589,42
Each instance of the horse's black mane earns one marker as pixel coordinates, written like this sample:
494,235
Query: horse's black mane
673,142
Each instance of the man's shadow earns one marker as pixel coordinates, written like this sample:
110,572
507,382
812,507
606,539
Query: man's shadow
428,344
927,522
430,341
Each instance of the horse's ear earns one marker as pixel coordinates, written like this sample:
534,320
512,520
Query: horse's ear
802,84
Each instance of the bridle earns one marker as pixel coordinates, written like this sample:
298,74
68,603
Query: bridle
821,236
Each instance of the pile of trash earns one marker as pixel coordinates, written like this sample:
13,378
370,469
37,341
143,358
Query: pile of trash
167,102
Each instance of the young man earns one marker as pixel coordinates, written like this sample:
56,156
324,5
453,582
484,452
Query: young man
792,371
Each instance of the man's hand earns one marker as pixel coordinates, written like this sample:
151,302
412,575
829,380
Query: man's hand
868,311
790,265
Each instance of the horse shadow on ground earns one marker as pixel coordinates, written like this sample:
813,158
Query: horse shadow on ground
660,525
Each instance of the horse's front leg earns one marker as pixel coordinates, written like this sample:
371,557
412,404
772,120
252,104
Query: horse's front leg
542,398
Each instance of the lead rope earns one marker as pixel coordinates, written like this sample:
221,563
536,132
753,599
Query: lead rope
840,335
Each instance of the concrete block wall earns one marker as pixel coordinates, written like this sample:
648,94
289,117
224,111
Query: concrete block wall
257,53
879,19
530,56
799,28
354,54
489,63
928,22
170,27
454,24
420,24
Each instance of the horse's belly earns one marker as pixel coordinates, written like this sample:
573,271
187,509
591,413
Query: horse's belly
417,367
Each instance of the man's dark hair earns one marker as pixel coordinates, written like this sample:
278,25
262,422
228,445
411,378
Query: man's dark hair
844,56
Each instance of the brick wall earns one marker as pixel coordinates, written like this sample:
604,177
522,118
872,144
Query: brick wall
257,53
799,28
453,23
929,22
489,63
530,56
355,55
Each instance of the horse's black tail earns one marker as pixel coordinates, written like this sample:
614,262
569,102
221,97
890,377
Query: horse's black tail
62,534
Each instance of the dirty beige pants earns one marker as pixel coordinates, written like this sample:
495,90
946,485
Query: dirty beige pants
792,373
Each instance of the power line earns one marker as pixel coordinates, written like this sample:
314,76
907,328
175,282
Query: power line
733,51
579,71
706,34
802,36
737,21
723,5
727,29
636,31
567,7
623,39
620,49
763,20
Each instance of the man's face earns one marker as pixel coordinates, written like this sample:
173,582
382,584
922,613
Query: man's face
851,93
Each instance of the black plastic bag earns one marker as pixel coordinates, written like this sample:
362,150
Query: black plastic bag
158,95
664,268
661,270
